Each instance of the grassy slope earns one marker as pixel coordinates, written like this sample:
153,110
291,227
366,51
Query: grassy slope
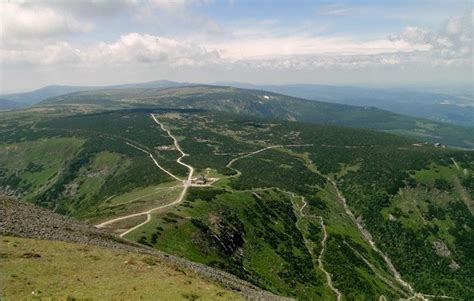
380,159
63,270
101,167
271,255
34,165
375,167
256,103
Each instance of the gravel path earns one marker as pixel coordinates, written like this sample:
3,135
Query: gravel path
186,183
321,253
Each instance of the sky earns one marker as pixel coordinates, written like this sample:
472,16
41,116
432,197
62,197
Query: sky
377,43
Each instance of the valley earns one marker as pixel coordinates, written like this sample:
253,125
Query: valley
301,210
236,150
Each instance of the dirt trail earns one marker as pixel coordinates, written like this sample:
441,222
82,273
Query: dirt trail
465,196
321,254
186,183
155,161
456,164
176,144
238,173
323,242
374,269
368,237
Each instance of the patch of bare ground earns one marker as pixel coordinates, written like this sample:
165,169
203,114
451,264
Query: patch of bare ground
125,224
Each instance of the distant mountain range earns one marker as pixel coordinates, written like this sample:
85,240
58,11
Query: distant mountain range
269,105
8,104
455,108
15,100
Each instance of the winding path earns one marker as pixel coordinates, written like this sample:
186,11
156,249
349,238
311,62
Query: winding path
321,254
186,183
368,237
238,173
176,144
323,241
155,161
374,270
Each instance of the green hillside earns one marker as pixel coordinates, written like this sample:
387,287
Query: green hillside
54,270
302,210
271,105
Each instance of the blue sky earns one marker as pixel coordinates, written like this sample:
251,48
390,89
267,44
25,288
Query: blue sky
327,42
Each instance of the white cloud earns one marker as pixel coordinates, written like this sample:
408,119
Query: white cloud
149,49
182,12
274,47
333,10
132,48
60,54
451,45
414,34
25,21
177,6
32,37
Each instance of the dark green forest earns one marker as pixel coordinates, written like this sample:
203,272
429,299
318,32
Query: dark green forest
414,199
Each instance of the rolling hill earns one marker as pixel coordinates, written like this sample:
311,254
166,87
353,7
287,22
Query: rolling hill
6,104
270,105
457,107
36,96
302,210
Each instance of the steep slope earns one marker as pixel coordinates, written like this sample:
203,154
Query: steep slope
271,105
62,257
303,210
396,214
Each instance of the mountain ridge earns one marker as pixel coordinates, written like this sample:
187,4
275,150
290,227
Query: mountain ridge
270,105
35,96
457,107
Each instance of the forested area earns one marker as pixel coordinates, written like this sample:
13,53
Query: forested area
274,168
232,231
101,132
412,198
381,174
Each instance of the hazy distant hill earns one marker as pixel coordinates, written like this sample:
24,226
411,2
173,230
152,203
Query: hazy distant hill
272,105
34,97
6,104
456,108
